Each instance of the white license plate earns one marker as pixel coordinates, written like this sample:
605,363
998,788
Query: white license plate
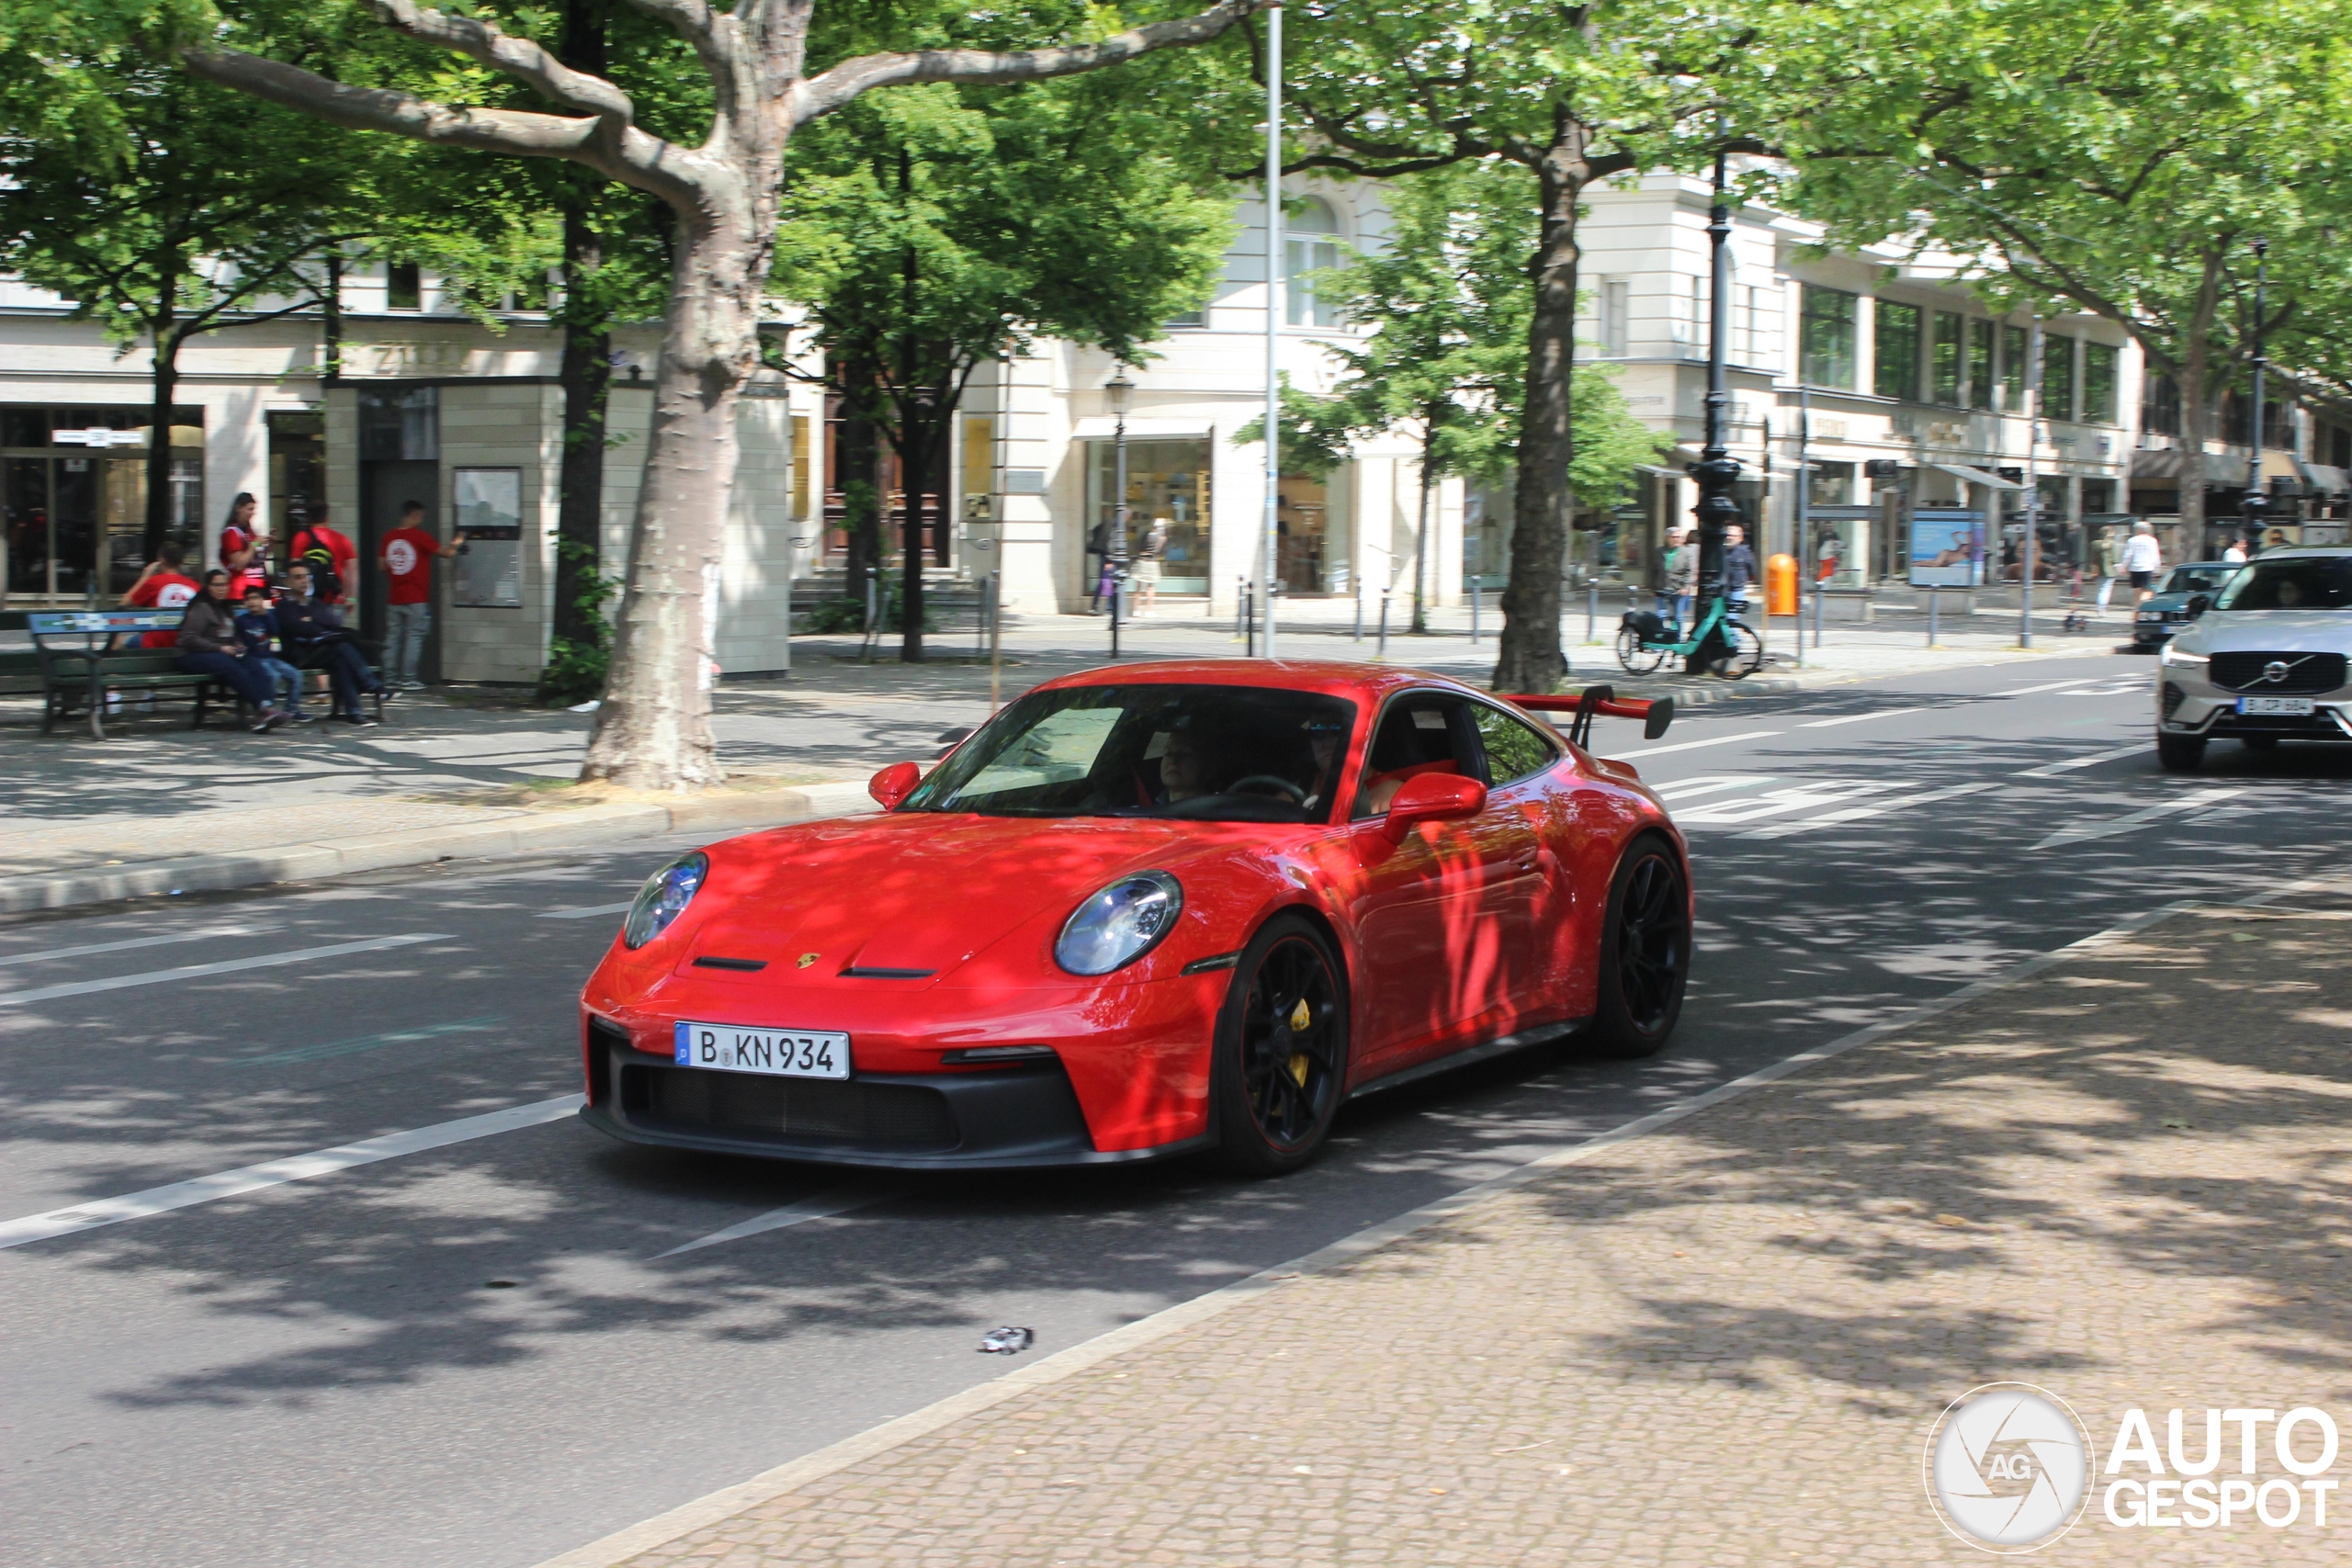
778,1052
2275,707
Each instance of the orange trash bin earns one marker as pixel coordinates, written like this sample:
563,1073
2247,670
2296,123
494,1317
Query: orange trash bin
1780,585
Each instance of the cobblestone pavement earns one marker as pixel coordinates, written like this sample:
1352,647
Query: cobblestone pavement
2125,1179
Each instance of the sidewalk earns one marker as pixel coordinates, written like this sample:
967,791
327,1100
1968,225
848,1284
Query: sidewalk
471,772
2120,1178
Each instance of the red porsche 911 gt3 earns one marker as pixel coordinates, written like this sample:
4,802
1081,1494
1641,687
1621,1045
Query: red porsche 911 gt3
1149,910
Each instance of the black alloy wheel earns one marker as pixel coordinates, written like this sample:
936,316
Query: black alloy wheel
1281,1051
1644,950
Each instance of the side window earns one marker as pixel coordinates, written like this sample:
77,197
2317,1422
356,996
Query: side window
1513,749
1416,735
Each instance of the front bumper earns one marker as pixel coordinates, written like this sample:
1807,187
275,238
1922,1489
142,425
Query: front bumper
2189,706
1021,1115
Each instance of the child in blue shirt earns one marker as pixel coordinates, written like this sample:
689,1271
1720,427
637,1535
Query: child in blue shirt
257,629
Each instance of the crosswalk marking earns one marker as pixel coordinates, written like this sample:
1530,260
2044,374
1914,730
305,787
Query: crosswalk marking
1778,802
2053,687
1856,812
2138,818
1858,717
1685,789
2050,769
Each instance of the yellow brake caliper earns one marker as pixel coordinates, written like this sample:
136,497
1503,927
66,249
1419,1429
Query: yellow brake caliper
1300,1017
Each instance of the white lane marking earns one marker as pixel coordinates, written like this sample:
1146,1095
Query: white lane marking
1856,812
1857,717
1685,789
1774,802
824,1206
2137,818
126,946
229,967
1694,745
276,1172
2047,770
2054,686
585,912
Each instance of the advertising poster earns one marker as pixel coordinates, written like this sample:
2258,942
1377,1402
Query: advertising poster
1947,548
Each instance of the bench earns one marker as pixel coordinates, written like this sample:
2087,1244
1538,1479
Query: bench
80,665
19,667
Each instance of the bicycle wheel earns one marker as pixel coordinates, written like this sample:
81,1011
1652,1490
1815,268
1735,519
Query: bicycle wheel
1638,657
1747,654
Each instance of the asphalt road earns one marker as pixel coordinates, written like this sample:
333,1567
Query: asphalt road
477,1353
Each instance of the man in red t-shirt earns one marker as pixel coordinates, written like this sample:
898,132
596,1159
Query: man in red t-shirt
328,552
407,557
163,586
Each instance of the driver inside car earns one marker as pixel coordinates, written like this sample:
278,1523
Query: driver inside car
1184,769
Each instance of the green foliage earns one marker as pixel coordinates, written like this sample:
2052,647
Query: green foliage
576,668
847,615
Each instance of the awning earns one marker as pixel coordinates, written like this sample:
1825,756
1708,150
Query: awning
1976,476
1104,429
2166,465
2325,476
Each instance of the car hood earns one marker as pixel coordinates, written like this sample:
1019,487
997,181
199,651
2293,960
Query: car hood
920,892
2270,631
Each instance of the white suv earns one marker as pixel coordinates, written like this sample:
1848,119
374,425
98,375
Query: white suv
2267,663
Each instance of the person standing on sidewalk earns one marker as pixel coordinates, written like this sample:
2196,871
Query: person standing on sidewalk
2110,566
1154,544
1739,566
407,559
244,549
2142,559
329,553
210,645
1681,568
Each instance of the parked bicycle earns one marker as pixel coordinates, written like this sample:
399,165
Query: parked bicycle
1646,640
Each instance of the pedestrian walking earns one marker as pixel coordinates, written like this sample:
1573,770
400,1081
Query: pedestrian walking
2235,554
1155,546
1739,566
244,549
2110,566
327,551
209,645
407,559
257,629
2142,559
1682,566
314,634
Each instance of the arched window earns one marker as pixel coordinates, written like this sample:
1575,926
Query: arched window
1310,242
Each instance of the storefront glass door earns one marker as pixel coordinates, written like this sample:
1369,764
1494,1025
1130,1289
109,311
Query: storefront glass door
1167,486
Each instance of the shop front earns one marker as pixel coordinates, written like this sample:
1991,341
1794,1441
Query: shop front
1168,491
73,495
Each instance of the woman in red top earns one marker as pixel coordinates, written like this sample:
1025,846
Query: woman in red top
244,551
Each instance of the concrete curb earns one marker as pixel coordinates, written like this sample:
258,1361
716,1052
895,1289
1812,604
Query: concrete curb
521,834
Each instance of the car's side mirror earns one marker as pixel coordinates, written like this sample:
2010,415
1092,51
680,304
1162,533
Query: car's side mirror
1431,797
894,783
2199,603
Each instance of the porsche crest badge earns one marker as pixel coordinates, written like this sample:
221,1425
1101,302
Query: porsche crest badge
806,959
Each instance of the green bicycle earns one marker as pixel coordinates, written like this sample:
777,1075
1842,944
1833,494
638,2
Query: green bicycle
1646,640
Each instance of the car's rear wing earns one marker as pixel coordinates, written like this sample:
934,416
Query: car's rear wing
1656,713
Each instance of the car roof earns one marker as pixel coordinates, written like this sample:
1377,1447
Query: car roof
2305,552
1329,677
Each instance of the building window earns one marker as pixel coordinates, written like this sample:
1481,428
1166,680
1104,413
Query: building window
1980,364
403,289
1827,336
1895,347
2160,404
1755,326
2099,378
2013,341
2058,378
1944,367
1616,303
1310,245
1187,321
1695,331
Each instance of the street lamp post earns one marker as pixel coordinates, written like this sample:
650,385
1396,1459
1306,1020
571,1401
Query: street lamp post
1716,470
1272,564
1118,388
2033,352
2257,505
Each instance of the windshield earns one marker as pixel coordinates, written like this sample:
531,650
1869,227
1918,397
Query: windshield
2200,578
1202,753
2297,582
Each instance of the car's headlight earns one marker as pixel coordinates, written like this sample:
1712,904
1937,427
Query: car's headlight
663,899
2177,657
1120,924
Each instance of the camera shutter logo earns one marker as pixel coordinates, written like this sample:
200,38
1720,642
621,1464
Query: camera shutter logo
2008,1466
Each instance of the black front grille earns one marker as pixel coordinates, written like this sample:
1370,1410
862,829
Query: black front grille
2174,697
2306,672
904,1116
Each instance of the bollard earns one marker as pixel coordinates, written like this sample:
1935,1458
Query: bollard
1592,612
1382,651
1477,594
1240,606
1931,617
1817,596
1248,620
1359,610
1117,594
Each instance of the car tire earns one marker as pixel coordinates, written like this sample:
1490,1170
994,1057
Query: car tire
1645,951
2259,742
1275,1083
2180,754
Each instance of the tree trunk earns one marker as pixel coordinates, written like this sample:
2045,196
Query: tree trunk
164,381
919,443
861,480
653,729
586,372
1531,658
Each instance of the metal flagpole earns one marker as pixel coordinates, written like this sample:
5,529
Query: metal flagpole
2033,347
1805,489
1273,306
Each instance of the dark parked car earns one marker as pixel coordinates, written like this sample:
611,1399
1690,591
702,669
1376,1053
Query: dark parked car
2169,611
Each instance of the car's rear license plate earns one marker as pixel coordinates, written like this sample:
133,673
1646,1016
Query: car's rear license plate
2275,708
778,1052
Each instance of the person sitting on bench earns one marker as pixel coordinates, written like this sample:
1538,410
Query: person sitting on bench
315,633
210,645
